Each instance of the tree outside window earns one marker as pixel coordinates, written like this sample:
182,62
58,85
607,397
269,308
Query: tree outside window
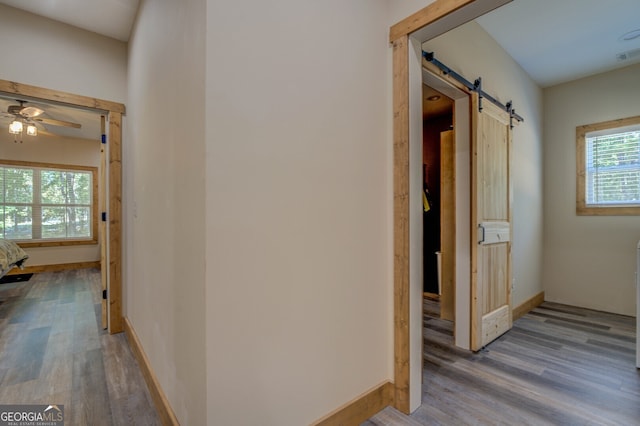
47,203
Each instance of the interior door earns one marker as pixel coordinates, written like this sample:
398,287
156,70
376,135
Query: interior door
491,200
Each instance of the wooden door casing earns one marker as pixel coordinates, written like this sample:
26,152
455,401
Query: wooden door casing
447,225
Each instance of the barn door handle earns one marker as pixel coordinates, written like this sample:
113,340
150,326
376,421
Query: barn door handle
480,234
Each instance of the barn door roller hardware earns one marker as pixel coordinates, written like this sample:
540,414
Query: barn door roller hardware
476,86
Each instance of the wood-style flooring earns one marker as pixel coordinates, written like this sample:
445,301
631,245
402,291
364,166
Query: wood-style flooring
559,365
54,351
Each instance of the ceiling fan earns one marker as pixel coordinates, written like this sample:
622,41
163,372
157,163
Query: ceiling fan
30,116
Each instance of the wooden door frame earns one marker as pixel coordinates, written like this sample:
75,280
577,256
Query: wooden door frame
448,224
114,112
458,11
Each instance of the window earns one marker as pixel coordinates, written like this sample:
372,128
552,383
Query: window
608,165
45,204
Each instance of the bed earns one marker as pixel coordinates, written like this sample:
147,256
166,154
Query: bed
10,255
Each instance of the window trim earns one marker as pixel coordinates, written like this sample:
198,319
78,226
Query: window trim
582,209
94,204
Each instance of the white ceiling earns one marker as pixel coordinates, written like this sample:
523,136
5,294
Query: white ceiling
112,18
553,40
557,41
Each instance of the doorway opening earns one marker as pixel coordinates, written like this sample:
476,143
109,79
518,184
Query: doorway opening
446,149
438,180
407,37
437,132
112,165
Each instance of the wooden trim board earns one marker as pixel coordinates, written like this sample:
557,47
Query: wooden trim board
114,112
401,233
361,408
425,16
165,412
54,268
431,296
114,222
26,90
532,303
401,222
448,225
58,243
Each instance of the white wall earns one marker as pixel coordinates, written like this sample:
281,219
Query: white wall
589,261
473,53
49,54
400,9
164,181
298,190
54,150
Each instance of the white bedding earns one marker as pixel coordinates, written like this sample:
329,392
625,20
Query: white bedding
10,255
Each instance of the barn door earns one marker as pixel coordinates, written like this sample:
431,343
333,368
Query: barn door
491,201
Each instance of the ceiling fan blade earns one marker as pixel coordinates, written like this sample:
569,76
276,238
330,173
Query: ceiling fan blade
56,122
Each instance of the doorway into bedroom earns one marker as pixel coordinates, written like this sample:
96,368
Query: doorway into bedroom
108,116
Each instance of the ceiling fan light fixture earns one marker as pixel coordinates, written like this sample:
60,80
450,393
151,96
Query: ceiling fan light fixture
32,130
15,127
30,112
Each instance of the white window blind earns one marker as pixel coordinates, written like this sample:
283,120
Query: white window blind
613,168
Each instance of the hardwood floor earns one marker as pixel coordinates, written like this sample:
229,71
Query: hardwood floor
53,351
559,365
